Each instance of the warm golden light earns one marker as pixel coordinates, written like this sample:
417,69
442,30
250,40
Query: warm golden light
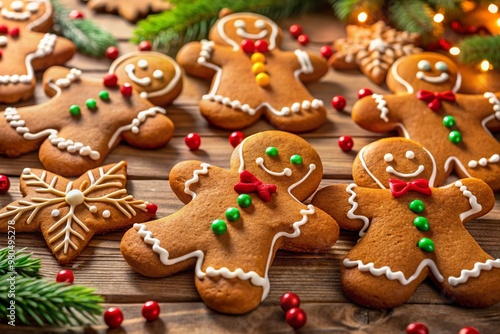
485,65
454,50
498,22
467,6
493,8
362,17
438,18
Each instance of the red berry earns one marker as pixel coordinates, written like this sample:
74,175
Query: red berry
296,317
145,46
110,80
468,330
4,184
364,92
14,32
113,317
346,143
76,14
3,29
295,30
247,46
417,328
289,300
126,89
303,39
152,208
261,46
193,141
236,138
338,102
112,52
65,276
151,310
326,51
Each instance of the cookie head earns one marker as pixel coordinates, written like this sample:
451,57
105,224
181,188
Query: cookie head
25,11
156,76
282,159
232,29
429,71
391,158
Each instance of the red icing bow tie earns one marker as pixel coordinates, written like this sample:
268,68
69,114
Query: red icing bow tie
399,187
434,98
249,183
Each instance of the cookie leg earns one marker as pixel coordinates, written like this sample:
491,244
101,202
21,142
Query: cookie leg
299,121
227,117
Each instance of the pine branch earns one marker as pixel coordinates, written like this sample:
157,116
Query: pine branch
87,36
475,49
19,262
192,20
39,302
345,9
452,9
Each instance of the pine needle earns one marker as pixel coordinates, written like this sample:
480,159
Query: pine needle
19,262
475,49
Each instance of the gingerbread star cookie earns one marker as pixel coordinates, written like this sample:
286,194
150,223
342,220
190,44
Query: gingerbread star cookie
69,213
252,77
86,119
235,220
373,49
426,108
411,230
131,10
26,47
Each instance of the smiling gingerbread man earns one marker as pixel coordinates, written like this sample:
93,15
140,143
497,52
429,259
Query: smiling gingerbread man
410,230
427,109
252,77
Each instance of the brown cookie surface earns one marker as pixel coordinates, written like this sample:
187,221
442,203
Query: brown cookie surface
131,10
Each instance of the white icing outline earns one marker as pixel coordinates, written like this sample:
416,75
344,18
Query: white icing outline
42,19
244,34
475,206
354,206
381,106
439,79
286,172
474,272
130,69
195,179
419,170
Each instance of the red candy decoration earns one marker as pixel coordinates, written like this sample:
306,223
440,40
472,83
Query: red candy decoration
193,141
417,328
247,46
1,53
303,39
4,184
295,30
364,92
145,46
261,46
3,29
14,32
152,208
296,317
468,330
326,51
126,89
65,276
151,310
113,317
110,80
289,300
338,102
346,143
112,52
236,138
76,14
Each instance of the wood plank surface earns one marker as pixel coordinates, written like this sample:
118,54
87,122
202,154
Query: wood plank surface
314,277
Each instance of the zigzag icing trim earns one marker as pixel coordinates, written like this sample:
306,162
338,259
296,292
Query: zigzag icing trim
351,214
195,179
474,272
475,206
381,106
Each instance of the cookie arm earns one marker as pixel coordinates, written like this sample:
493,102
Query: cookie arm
185,178
377,112
318,66
486,109
56,78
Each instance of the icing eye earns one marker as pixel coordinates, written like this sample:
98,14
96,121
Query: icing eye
424,65
272,151
239,24
388,157
158,74
33,7
143,64
17,6
260,24
410,155
296,159
441,66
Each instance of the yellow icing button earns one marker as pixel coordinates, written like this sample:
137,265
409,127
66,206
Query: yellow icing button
258,57
262,79
258,68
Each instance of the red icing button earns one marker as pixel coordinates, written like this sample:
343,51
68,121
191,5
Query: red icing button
295,30
261,46
247,46
110,80
346,143
364,92
152,208
326,51
65,276
126,89
417,328
3,29
193,141
303,39
14,32
145,46
338,102
236,138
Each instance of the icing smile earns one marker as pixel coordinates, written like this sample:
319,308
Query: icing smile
441,78
286,172
391,170
17,13
243,33
130,69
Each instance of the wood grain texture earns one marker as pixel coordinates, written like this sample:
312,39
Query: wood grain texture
313,276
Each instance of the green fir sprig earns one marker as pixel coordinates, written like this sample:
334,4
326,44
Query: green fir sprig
22,264
475,49
87,36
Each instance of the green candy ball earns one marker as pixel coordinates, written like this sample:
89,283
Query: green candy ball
426,244
104,95
219,226
232,214
91,104
449,121
296,159
272,151
421,223
417,206
244,200
74,110
455,137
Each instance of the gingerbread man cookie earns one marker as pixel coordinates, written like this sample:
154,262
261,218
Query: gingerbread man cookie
411,230
86,119
235,220
69,213
425,108
25,46
252,77
131,10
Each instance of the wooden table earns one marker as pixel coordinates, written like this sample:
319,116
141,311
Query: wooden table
314,277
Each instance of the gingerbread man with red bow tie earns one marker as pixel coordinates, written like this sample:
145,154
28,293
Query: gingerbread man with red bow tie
409,229
455,128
